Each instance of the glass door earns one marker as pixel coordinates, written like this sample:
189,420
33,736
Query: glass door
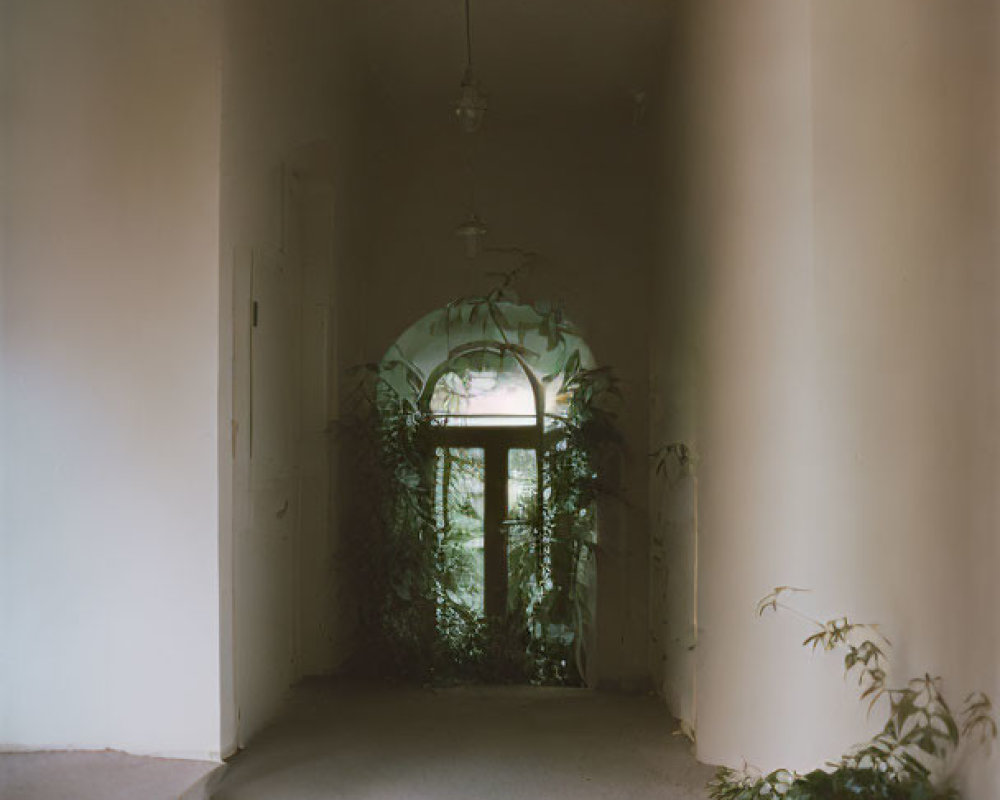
486,502
460,505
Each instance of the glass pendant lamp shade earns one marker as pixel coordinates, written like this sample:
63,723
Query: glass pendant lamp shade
471,106
472,231
470,110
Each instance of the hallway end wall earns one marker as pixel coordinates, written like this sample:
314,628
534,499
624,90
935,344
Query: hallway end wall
572,186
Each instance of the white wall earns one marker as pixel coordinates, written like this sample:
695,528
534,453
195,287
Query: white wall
5,72
108,432
739,261
907,268
831,189
288,138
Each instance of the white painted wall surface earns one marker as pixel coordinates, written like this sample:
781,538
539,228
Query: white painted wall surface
5,654
109,340
908,275
288,160
832,213
743,194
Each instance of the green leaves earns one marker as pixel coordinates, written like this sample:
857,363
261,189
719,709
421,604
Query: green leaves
836,633
919,736
731,784
978,717
771,601
414,570
679,452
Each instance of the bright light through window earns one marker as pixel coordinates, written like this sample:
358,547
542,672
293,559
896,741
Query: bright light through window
484,396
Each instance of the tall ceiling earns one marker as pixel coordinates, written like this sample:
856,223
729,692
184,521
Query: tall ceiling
529,54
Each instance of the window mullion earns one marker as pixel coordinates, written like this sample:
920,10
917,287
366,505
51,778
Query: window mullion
495,513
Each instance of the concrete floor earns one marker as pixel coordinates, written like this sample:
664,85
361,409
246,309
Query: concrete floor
107,775
368,742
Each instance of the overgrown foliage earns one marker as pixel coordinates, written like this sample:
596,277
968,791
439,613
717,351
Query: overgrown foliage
411,556
676,456
908,759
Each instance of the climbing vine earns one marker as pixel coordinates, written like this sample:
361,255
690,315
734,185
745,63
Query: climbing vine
411,527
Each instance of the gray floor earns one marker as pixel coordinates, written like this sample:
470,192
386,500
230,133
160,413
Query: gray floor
106,775
377,743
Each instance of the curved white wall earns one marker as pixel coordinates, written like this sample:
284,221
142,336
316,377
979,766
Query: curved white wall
832,185
744,231
908,262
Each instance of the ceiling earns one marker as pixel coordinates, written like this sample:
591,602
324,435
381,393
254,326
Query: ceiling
529,54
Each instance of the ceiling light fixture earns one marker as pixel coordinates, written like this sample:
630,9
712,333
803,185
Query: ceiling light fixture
472,231
471,106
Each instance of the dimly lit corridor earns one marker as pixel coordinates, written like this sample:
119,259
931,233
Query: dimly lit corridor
362,363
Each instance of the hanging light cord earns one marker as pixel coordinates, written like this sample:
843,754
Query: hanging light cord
469,155
468,35
469,162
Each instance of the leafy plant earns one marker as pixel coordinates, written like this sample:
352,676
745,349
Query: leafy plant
906,760
412,564
678,453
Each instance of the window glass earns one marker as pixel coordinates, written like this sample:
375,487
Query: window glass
459,491
485,390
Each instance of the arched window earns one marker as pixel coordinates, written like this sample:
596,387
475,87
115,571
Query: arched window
495,506
484,388
489,441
